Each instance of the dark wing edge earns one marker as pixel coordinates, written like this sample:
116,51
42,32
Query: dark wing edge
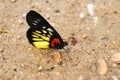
29,35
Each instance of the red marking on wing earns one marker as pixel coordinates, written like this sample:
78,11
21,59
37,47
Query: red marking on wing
55,41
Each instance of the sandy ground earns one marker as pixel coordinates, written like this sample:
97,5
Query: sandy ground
98,39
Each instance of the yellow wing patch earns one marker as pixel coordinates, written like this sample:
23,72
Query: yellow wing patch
37,39
43,44
37,34
38,31
41,38
44,31
50,33
45,38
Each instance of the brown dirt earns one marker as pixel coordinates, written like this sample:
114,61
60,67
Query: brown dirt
98,37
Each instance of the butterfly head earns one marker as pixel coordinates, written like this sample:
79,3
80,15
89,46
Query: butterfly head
61,46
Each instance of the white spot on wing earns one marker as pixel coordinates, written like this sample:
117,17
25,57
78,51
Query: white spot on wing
34,23
49,29
38,20
43,27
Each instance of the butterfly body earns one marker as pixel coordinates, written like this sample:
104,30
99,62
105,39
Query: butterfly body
41,34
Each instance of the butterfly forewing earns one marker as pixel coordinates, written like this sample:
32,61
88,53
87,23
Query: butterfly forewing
36,20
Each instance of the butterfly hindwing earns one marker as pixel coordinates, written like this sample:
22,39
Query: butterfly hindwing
41,34
39,38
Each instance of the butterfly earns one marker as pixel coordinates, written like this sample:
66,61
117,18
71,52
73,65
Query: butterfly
41,34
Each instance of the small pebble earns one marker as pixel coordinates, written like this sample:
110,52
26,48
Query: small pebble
80,78
81,15
20,21
22,65
24,15
85,36
57,11
63,64
88,28
13,1
47,1
102,67
40,68
72,41
15,69
15,76
95,20
116,58
1,50
91,9
18,37
114,78
101,37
